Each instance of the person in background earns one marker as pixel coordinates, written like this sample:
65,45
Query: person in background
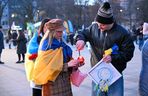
71,39
14,37
1,43
102,35
143,85
32,49
140,36
9,38
134,34
21,46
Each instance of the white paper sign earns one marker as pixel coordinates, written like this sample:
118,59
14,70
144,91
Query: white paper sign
104,71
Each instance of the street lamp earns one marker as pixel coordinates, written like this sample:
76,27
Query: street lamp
26,16
137,15
12,15
38,11
121,10
120,15
36,15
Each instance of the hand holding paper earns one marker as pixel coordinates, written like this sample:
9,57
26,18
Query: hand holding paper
107,58
114,50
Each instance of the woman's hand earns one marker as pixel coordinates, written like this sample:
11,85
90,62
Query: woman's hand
74,63
46,35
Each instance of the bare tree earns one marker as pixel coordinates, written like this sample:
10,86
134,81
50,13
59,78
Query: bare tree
25,11
143,14
28,10
76,11
3,4
93,9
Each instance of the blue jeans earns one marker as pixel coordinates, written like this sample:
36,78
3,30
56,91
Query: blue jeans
143,81
141,42
116,89
0,53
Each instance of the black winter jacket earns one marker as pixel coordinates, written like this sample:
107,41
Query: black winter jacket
117,35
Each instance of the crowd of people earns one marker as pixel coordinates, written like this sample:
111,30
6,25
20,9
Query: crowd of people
138,36
46,47
17,39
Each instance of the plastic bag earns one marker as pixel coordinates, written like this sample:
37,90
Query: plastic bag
77,77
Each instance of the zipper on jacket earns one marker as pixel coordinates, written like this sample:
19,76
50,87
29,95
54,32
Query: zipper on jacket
104,42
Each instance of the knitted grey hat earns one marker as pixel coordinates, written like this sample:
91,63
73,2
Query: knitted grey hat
105,14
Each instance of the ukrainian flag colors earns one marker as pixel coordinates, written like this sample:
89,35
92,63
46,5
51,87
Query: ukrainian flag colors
46,67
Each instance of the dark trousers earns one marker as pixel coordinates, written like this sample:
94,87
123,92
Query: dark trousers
36,92
0,53
19,57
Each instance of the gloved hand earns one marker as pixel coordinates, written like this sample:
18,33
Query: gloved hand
107,53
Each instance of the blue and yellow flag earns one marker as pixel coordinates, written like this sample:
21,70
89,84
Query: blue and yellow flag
32,48
49,62
29,66
48,65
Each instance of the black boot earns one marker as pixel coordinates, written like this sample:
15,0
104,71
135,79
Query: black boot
1,62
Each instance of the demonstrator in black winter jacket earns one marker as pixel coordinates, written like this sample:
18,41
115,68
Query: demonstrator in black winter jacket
102,35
